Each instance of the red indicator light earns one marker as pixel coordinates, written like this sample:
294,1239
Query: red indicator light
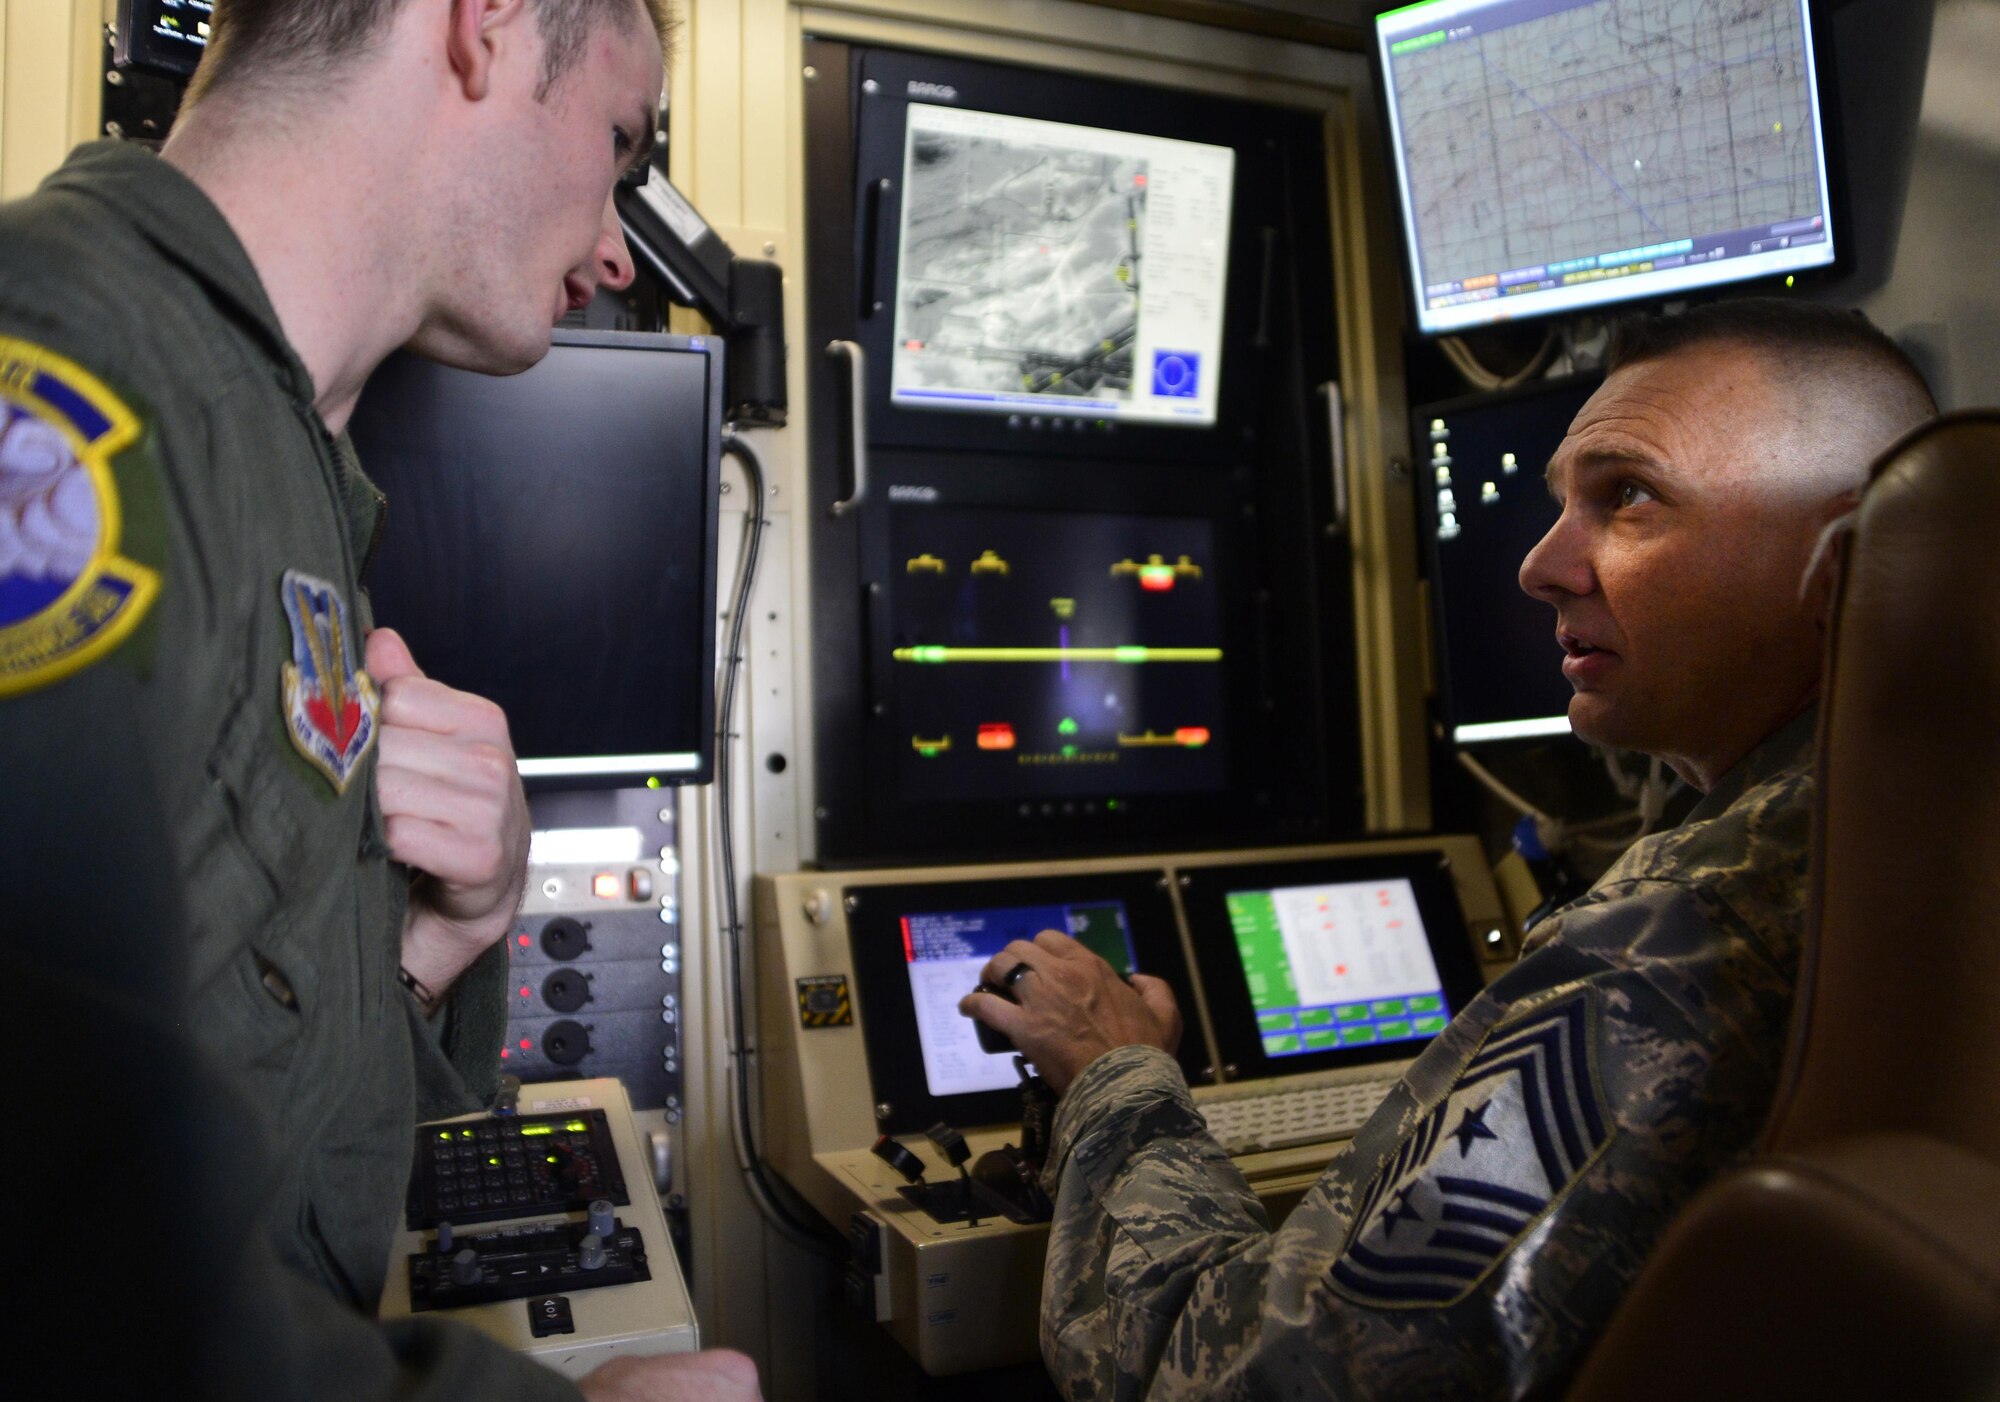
998,736
506,1052
1139,180
524,991
1192,736
527,1044
913,345
606,886
1156,579
524,941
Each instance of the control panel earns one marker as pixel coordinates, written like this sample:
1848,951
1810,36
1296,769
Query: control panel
570,1261
595,954
920,1143
510,1166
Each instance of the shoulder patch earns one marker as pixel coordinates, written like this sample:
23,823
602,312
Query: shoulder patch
1523,1122
66,596
331,705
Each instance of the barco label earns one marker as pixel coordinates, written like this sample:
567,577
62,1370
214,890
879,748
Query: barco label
943,92
902,492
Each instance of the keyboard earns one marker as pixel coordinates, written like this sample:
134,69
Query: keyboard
1266,1115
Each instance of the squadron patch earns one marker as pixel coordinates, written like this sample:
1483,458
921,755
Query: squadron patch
1523,1122
331,706
66,596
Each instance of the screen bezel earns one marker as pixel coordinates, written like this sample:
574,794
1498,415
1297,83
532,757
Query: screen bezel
887,1009
1239,1043
884,92
1449,704
541,773
1840,227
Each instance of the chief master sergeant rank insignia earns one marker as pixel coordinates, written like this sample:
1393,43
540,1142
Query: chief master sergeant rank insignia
1524,1121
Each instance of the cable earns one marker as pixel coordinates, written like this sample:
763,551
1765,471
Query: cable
763,1193
1479,377
1506,795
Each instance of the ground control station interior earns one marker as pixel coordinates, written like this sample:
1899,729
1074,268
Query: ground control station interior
1067,465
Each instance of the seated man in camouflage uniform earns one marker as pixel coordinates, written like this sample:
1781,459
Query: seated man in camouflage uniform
1479,1230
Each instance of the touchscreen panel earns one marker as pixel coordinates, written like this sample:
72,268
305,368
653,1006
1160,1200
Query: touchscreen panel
945,951
1338,965
918,947
1328,962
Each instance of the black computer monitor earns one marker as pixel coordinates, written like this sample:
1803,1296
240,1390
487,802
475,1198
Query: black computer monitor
1557,155
919,947
550,544
162,36
1482,504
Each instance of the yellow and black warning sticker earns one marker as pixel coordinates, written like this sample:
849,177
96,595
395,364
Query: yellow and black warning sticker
824,1002
66,596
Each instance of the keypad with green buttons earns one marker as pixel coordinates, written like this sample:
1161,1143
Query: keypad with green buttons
512,1166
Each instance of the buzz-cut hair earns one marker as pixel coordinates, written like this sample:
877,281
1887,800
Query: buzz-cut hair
292,40
1797,339
1853,391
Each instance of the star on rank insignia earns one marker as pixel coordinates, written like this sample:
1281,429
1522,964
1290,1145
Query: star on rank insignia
331,705
1524,1121
66,595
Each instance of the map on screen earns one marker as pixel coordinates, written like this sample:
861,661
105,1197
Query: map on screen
1557,154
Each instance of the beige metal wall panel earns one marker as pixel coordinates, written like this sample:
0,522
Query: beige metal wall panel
50,61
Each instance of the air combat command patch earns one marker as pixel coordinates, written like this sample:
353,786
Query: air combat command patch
331,705
1524,1121
66,596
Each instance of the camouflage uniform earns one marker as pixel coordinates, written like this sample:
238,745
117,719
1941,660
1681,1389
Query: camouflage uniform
1475,1236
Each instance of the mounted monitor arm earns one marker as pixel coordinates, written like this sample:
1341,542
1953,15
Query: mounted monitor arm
743,298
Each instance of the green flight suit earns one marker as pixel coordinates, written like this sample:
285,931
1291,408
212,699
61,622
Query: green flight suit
208,546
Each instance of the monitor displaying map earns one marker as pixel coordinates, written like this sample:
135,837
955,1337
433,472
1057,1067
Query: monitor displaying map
1557,155
1051,269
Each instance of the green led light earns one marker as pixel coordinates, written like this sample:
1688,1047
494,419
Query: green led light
552,1158
653,781
535,1130
1067,726
494,1161
445,1135
576,1126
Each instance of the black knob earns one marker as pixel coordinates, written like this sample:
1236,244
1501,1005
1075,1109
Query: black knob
566,990
566,1042
465,1268
564,938
899,1158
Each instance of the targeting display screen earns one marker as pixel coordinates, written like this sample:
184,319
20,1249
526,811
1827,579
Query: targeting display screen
1059,269
946,950
1557,155
1042,655
1340,965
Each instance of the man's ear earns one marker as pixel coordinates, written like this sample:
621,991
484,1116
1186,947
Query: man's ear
1822,576
470,40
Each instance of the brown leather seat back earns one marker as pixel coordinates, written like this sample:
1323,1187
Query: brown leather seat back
1898,1028
1859,1255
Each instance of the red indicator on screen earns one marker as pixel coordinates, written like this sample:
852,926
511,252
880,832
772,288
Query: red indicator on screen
996,736
1192,736
1156,579
909,950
